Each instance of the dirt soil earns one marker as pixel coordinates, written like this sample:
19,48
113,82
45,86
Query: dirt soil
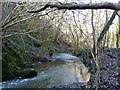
110,68
109,72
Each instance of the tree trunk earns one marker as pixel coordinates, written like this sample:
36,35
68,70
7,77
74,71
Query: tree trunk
106,28
119,24
105,38
94,34
118,34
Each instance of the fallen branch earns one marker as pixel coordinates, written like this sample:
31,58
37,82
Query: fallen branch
72,6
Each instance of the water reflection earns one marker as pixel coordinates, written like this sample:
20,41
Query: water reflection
62,71
82,73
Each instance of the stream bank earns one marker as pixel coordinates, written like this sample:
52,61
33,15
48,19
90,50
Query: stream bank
109,66
17,56
109,71
64,69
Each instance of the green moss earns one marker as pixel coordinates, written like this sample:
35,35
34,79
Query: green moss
6,74
13,59
84,86
26,73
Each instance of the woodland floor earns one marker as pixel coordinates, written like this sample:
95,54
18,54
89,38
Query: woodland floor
109,71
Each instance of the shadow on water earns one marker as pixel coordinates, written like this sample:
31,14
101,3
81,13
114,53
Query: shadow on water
65,69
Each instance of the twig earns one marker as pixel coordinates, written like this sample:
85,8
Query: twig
9,15
26,19
23,33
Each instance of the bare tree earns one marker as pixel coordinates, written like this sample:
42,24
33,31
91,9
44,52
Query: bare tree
71,6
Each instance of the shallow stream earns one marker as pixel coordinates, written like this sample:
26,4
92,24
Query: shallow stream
64,69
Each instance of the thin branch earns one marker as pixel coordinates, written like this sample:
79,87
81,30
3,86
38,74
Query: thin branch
83,34
22,33
10,14
6,36
25,19
9,21
36,40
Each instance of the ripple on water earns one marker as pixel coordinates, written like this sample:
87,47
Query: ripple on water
54,74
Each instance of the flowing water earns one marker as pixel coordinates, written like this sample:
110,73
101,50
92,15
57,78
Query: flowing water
64,69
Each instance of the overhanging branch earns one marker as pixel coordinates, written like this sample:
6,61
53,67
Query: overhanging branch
72,6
